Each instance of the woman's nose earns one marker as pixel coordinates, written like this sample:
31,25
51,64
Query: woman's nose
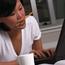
19,15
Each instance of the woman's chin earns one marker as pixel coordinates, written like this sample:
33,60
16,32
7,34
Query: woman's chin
21,27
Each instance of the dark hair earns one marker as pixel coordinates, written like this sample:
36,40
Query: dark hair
4,27
22,2
6,8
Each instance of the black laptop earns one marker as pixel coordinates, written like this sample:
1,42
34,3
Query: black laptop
59,52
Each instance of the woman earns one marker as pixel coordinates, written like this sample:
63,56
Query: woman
18,34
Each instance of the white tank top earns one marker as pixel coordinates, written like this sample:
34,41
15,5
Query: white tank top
30,33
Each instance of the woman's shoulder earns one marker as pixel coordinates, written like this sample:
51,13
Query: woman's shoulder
28,17
30,20
1,37
3,34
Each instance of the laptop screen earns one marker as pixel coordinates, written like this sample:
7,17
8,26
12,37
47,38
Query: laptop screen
60,49
59,52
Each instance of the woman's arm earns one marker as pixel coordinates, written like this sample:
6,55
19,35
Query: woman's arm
39,51
37,45
9,63
37,48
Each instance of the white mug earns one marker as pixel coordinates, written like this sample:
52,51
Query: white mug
45,64
61,62
26,59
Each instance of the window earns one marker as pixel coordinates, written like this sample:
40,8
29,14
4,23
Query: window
59,8
47,12
43,12
27,6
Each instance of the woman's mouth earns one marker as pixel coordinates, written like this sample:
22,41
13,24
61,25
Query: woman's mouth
20,25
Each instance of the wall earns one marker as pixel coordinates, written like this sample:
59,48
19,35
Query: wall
50,36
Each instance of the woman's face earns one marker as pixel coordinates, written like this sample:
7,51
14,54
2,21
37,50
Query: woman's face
17,18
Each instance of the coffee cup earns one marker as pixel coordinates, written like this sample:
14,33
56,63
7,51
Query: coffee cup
26,59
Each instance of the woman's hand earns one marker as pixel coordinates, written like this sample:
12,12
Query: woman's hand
43,53
39,51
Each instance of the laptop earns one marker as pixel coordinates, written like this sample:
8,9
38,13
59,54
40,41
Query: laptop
59,53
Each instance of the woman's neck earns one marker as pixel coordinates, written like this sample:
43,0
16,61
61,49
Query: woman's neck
14,33
16,39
